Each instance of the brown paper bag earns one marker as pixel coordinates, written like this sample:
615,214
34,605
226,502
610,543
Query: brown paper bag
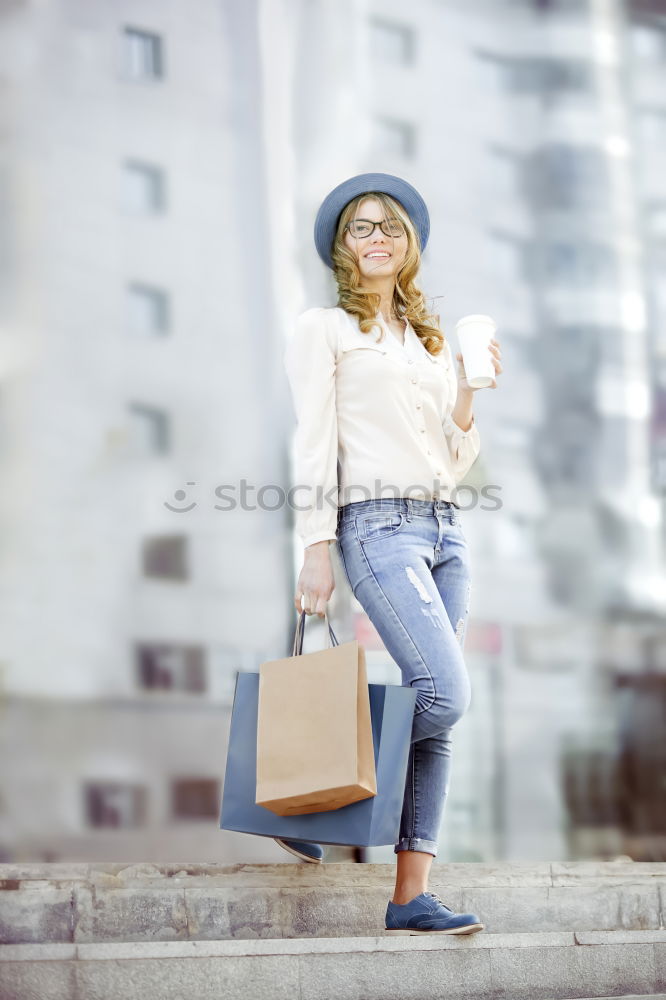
314,734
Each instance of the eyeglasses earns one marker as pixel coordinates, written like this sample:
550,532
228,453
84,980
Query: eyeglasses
365,227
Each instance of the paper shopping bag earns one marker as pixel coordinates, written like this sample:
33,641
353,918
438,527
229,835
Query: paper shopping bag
314,732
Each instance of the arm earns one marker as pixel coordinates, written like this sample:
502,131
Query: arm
309,360
460,430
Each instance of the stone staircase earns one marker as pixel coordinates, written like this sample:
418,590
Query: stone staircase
314,932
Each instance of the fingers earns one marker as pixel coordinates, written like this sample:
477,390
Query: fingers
305,601
312,605
493,347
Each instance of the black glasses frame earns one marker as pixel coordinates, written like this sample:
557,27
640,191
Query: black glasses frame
381,225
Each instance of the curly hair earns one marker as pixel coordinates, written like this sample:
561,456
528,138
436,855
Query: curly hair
408,301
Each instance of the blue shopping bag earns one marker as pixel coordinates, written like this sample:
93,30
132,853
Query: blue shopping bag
371,822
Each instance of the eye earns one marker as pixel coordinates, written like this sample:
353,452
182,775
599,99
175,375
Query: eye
359,228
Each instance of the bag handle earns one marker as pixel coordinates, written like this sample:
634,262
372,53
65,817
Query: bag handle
299,634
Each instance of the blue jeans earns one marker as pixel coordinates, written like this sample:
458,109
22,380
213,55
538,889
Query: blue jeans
407,563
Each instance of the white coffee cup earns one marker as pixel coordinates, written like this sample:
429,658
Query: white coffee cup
474,335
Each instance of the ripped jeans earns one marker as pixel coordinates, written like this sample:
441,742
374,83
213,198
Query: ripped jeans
407,563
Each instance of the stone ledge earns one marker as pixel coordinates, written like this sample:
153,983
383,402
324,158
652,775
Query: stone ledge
454,874
532,966
115,951
319,904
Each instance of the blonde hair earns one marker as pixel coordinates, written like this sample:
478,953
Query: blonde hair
408,300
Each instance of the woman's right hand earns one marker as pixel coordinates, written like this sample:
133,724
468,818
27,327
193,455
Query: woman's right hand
315,582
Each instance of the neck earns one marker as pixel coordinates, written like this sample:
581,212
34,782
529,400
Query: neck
386,290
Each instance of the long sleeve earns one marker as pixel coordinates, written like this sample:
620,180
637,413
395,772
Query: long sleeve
309,360
464,446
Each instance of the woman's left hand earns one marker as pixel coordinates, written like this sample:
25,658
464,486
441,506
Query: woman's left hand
494,349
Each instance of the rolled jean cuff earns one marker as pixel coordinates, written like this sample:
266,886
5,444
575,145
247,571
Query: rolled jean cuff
416,844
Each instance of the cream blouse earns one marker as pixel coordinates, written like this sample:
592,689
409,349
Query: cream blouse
373,419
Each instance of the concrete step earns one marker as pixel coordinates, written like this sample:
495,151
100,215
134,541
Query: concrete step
88,903
536,966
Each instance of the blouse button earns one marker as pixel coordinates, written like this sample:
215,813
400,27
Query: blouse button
414,381
410,361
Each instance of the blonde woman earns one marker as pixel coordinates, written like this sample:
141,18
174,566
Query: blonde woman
385,431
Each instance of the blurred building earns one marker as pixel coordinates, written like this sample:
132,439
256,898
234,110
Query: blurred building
141,386
160,171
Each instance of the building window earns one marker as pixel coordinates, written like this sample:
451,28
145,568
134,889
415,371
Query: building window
391,42
589,780
394,138
149,430
147,310
195,798
144,188
144,54
564,177
170,667
114,804
544,77
579,265
165,557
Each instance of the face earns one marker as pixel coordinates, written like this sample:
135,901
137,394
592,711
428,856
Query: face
390,251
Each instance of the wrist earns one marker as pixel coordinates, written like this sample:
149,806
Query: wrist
317,548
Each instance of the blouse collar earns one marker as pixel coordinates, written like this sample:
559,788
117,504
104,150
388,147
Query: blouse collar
409,332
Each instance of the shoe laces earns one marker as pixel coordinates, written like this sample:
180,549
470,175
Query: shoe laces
439,899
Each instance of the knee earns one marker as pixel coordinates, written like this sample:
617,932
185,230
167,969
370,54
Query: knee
446,710
445,714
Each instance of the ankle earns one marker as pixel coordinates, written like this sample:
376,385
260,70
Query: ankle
407,894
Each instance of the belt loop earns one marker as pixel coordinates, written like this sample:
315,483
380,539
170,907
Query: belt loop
408,513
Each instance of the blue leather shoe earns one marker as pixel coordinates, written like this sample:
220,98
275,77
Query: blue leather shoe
302,849
428,914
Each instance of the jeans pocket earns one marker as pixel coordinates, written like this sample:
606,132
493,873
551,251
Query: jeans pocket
378,524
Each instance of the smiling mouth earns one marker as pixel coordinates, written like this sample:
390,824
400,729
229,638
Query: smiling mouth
377,256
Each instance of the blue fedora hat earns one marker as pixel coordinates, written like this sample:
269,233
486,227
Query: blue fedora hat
334,202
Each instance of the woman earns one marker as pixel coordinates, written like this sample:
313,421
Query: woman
388,411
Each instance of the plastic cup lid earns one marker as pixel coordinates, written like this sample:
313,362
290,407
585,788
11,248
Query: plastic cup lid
477,317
